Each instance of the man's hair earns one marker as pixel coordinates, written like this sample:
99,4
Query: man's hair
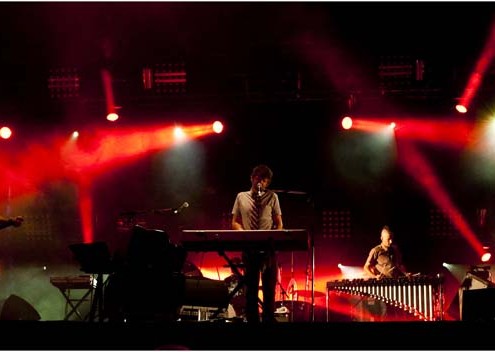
262,171
387,228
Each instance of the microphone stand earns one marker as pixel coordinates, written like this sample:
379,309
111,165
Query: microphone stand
292,286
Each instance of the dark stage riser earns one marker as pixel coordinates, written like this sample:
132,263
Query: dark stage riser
30,335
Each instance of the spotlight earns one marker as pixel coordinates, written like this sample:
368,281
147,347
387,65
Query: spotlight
179,133
346,122
487,255
112,117
217,127
461,108
5,132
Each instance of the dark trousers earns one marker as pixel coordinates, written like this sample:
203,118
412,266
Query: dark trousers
256,264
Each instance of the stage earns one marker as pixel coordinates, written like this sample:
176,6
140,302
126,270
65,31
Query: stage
207,335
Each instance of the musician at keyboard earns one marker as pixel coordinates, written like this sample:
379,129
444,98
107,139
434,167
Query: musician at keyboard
385,259
259,209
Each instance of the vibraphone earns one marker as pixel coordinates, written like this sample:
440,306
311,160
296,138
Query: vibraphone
422,295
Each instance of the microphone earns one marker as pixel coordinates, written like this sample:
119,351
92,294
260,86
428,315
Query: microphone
259,189
179,209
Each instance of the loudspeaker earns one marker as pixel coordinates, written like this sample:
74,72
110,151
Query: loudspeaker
478,305
15,308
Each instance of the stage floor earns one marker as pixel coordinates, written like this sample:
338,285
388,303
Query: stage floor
220,335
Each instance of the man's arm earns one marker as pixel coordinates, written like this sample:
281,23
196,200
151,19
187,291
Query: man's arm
237,223
369,268
277,222
236,215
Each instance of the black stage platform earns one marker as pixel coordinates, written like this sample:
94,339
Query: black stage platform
208,335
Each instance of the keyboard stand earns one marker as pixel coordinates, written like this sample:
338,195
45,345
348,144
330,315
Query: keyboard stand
68,286
240,283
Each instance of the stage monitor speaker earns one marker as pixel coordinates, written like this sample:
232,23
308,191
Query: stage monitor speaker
16,308
476,282
478,305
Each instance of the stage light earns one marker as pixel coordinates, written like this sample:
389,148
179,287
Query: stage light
75,134
461,108
5,132
112,117
179,133
392,125
487,255
217,127
350,272
346,122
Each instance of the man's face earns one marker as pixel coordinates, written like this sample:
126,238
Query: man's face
386,238
265,182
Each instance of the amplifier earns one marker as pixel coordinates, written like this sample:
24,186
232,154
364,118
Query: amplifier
204,292
195,313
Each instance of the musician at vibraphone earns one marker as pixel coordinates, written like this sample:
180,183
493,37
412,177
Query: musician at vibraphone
259,209
384,261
